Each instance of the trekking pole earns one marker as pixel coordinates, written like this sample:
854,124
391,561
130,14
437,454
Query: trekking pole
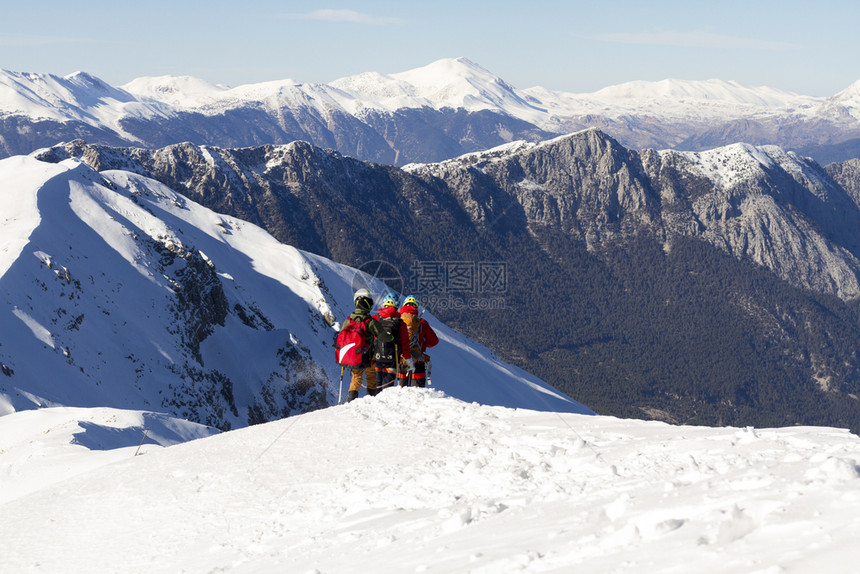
396,363
340,392
428,364
145,432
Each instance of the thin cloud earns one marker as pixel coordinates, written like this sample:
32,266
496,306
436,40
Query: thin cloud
345,16
695,39
19,41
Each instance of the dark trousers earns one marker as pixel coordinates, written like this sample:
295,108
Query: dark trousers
385,377
416,379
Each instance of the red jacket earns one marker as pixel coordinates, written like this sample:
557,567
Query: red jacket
403,338
426,335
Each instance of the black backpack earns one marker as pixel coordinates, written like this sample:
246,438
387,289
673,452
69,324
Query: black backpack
385,354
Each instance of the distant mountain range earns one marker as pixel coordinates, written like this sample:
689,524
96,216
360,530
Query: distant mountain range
716,287
119,292
429,114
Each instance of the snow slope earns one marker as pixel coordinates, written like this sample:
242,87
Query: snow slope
416,481
39,448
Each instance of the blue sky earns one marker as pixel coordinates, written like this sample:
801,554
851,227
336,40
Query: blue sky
811,48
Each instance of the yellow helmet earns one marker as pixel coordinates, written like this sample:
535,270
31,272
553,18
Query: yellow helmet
411,300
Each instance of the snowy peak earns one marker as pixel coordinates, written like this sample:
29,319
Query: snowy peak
460,83
115,300
741,165
36,95
285,94
729,166
851,94
89,84
179,91
372,90
845,102
448,83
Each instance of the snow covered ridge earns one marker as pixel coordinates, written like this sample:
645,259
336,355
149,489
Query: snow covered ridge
447,83
461,83
416,481
119,292
79,96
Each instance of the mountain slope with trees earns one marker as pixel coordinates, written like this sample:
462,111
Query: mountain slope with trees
715,288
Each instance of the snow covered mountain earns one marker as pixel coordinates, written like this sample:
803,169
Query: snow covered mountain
686,286
415,481
120,292
432,113
462,84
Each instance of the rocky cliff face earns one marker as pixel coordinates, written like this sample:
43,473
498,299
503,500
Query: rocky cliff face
763,205
587,186
697,285
847,175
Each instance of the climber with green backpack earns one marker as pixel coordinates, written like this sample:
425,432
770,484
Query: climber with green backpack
387,354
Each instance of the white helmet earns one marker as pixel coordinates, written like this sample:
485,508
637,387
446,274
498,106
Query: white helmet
363,296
